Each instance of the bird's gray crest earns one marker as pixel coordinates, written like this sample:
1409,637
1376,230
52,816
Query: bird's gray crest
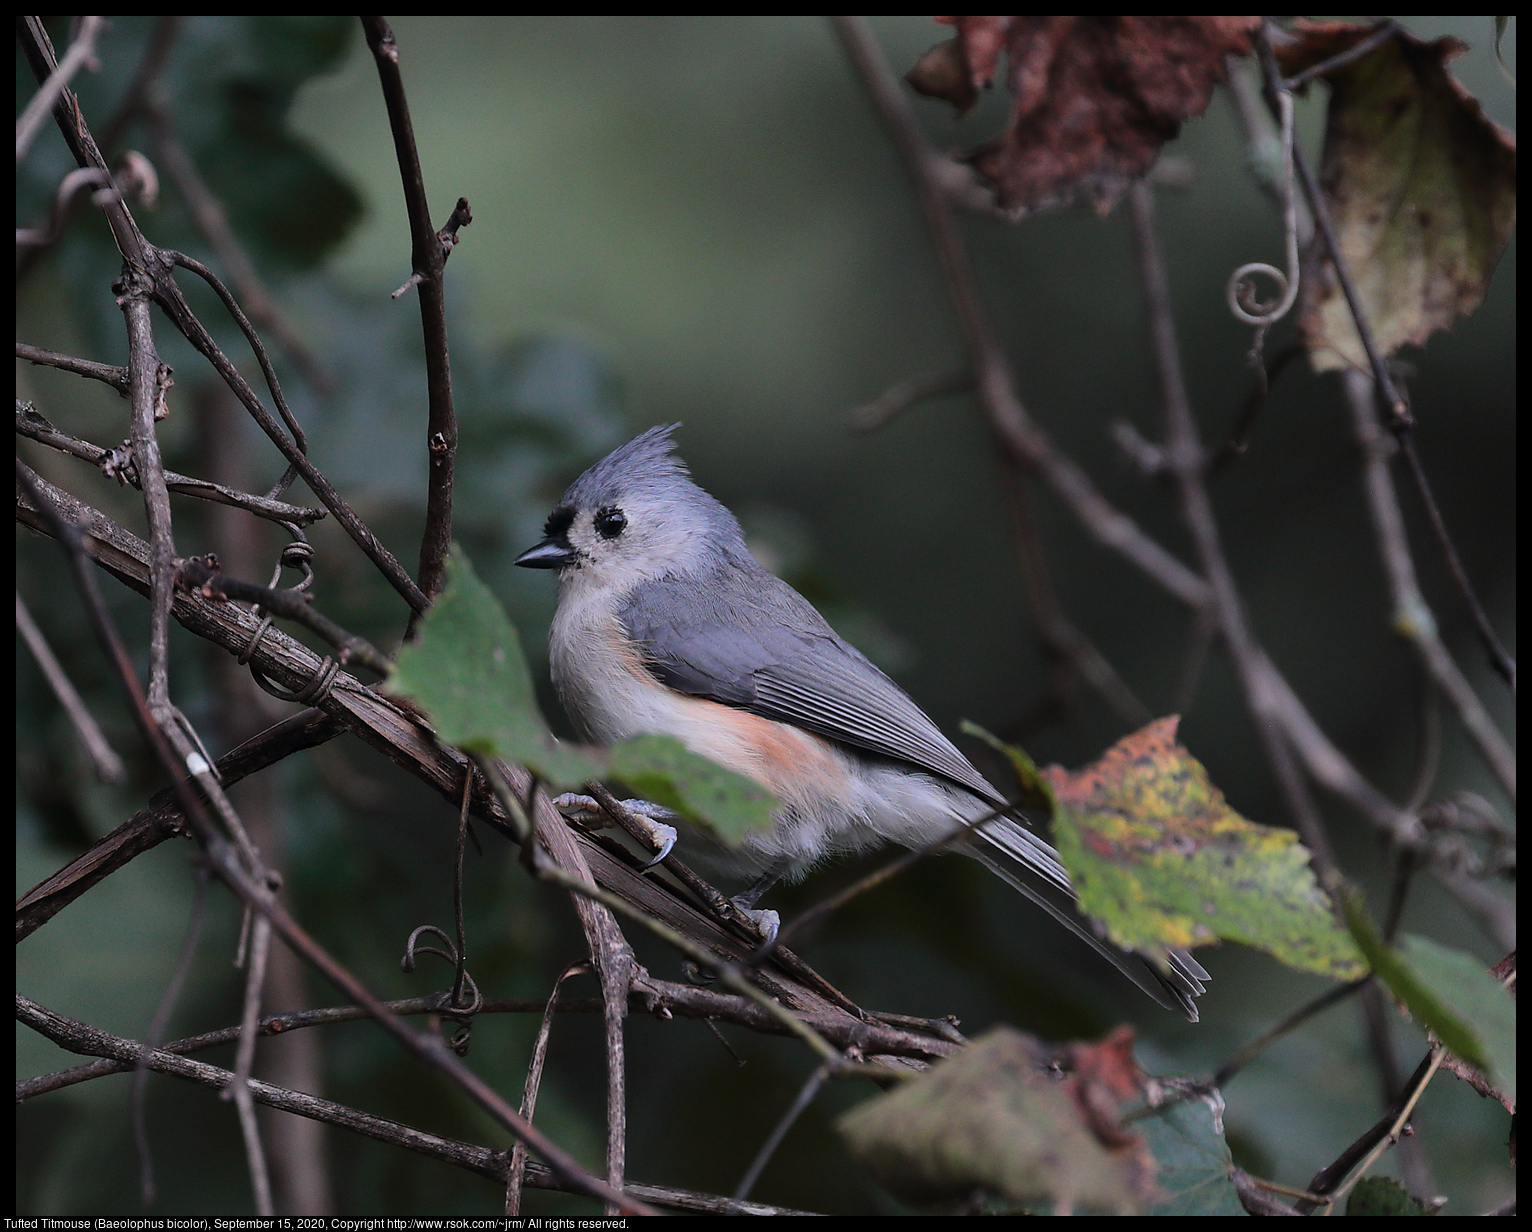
646,465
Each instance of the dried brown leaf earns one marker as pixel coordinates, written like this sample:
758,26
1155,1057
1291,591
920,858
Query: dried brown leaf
1094,98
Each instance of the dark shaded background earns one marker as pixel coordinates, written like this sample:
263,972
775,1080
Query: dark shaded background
699,220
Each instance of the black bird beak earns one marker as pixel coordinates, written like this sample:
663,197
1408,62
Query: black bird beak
553,553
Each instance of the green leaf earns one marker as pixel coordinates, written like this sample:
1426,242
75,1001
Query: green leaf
1382,1195
1186,1140
1158,856
1420,184
990,1118
467,672
662,769
1448,992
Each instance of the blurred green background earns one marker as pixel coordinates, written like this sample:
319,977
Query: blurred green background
699,220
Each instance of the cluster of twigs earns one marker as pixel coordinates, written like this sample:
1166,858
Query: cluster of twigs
764,985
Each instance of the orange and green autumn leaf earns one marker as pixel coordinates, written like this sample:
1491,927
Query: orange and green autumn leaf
1161,860
1420,185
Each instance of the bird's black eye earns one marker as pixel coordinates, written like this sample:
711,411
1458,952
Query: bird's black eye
610,521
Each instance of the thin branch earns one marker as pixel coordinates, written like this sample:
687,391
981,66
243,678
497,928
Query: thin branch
1400,421
108,765
663,999
162,40
1412,618
1336,1180
144,391
81,53
516,1172
1271,1035
902,395
31,424
429,250
244,1058
1253,1196
1239,436
774,1139
1061,640
1185,460
834,902
110,374
157,1028
1385,31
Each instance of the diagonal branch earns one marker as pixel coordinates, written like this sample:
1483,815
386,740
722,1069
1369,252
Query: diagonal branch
1018,436
1412,616
1185,461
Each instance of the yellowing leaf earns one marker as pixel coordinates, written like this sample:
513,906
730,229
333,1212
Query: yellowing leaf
1158,856
1421,186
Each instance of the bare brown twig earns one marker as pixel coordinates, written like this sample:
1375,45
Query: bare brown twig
80,1038
31,424
429,250
81,53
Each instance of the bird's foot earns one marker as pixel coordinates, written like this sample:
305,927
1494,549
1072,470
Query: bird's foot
586,812
765,922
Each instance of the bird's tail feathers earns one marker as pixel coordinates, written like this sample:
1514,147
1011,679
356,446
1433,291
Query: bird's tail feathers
1027,864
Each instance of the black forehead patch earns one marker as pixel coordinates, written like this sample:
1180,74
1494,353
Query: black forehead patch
559,522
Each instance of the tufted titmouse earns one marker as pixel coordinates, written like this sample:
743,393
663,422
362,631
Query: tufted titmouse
665,623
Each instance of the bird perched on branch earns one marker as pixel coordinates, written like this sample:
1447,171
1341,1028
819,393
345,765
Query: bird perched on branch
666,623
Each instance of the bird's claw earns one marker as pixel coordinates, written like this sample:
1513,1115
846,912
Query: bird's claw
663,836
767,923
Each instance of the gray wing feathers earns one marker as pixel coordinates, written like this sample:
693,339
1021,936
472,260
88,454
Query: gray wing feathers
1026,863
745,638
